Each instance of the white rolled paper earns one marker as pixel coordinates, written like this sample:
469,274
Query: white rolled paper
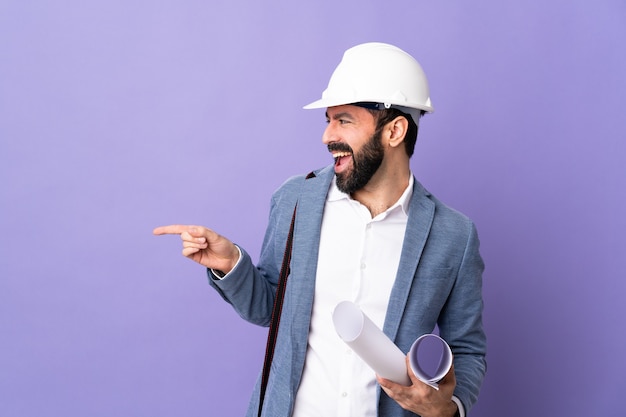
369,342
383,356
426,351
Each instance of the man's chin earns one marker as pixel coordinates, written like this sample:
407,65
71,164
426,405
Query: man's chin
343,183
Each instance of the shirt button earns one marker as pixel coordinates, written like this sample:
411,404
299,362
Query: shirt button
363,266
344,394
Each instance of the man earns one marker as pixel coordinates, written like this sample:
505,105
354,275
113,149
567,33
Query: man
365,231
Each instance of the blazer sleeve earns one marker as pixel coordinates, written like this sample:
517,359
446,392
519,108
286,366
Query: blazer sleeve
460,323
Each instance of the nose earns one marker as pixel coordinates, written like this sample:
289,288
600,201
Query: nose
329,134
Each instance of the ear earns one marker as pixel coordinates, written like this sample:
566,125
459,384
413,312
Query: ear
397,129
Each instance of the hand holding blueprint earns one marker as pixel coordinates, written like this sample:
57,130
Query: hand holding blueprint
383,356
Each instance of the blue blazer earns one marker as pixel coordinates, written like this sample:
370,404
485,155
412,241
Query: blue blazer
438,282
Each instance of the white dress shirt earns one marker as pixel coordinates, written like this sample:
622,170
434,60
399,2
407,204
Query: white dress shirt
358,261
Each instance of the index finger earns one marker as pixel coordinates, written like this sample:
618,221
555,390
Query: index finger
172,229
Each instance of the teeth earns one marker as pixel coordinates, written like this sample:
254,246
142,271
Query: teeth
340,154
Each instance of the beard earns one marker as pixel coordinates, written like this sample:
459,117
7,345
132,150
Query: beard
365,163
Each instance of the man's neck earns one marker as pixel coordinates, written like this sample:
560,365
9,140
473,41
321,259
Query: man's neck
383,192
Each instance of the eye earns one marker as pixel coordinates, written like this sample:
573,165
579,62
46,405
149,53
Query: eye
343,121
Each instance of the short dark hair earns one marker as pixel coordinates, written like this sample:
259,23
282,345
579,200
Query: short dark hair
384,116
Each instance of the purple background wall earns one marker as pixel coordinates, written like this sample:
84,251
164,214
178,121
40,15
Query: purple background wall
118,116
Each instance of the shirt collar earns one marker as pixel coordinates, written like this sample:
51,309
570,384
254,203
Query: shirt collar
334,194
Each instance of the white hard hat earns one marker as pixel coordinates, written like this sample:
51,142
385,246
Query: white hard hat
377,73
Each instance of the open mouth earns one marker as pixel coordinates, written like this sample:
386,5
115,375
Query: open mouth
341,159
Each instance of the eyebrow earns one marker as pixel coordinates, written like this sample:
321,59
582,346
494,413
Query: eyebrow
342,115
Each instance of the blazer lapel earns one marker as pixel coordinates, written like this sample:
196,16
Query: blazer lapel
301,284
421,214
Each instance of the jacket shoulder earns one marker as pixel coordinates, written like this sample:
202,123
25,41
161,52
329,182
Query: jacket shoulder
291,187
445,217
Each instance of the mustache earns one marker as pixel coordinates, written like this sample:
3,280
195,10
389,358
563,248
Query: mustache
339,146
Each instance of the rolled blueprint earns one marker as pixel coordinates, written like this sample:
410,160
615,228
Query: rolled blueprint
383,356
360,333
430,358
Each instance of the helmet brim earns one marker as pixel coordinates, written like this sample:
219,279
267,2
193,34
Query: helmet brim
330,102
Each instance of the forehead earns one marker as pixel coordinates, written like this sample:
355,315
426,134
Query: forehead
348,111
